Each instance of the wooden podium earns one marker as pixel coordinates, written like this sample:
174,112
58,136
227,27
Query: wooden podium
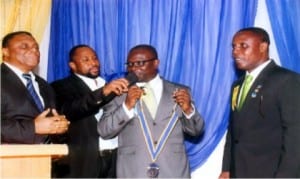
29,161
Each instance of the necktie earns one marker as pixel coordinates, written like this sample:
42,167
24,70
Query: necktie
32,92
246,87
149,99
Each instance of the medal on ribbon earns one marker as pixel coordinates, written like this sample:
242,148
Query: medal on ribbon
155,150
153,170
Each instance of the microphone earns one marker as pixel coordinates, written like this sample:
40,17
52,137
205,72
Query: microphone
131,78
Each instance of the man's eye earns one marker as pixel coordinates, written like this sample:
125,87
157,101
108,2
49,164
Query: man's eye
140,63
84,59
243,45
36,47
23,46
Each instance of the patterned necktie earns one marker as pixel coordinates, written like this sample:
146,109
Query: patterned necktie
150,100
246,87
32,92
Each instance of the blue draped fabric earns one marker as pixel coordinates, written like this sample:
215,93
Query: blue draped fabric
192,37
285,23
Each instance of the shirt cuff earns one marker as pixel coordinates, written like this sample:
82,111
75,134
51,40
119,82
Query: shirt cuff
130,113
191,115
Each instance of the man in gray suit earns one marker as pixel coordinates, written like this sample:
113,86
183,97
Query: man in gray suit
151,138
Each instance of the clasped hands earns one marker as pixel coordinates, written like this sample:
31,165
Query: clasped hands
54,124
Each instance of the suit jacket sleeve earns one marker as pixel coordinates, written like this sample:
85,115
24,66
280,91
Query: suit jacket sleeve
194,125
76,100
113,120
227,146
290,113
227,152
18,110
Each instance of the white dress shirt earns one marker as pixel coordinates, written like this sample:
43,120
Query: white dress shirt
254,73
19,73
94,84
157,86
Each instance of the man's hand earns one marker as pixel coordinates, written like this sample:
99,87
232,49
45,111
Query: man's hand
183,99
56,124
224,175
118,87
133,95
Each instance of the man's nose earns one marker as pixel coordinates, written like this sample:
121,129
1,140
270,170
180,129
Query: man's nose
93,62
235,50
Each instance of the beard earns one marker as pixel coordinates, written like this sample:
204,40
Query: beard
93,76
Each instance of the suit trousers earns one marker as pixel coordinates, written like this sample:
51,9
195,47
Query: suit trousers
108,162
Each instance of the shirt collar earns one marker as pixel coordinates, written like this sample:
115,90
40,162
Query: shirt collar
258,69
90,82
155,81
19,72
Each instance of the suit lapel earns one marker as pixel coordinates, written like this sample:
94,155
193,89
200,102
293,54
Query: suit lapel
235,94
166,100
80,83
259,82
10,75
43,91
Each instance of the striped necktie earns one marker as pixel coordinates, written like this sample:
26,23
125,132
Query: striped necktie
32,92
36,99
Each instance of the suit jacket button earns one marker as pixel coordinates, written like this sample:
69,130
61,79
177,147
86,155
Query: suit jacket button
236,141
155,142
154,123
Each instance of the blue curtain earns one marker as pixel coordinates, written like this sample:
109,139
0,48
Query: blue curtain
285,23
192,37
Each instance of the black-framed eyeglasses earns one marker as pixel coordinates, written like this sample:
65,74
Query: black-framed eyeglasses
139,63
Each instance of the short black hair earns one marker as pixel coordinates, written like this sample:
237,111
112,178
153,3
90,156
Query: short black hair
147,47
258,31
9,36
73,50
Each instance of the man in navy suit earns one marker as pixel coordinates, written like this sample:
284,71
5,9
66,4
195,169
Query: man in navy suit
22,120
263,138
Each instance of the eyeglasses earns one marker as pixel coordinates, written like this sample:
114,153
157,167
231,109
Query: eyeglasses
139,63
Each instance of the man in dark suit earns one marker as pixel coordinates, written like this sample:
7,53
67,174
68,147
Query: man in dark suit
81,97
22,119
151,123
263,138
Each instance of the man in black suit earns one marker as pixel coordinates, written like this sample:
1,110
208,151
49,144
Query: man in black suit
263,138
22,119
80,97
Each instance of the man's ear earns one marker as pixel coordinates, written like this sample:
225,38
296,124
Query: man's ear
156,62
72,66
263,47
5,52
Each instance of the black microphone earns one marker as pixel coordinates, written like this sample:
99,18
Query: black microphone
131,78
